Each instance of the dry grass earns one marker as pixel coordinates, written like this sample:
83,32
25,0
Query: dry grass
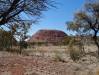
40,59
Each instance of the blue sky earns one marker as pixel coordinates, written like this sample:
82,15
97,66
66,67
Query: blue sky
56,18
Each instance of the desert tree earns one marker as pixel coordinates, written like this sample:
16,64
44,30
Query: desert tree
19,11
11,10
15,13
21,34
86,21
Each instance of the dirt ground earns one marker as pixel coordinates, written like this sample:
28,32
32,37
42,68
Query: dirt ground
43,64
32,66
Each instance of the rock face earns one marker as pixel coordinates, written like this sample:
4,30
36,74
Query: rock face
49,36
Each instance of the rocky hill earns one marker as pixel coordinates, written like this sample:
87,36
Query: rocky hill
49,36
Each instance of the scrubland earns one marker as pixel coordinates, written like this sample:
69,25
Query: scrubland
49,60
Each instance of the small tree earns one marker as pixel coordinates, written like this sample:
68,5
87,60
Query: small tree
21,33
13,11
87,21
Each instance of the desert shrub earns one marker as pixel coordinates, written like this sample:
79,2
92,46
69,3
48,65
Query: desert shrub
6,39
58,56
37,43
23,44
75,50
11,50
96,71
42,43
74,54
67,40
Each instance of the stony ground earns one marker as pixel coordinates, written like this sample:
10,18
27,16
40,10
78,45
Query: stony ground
32,66
13,64
19,65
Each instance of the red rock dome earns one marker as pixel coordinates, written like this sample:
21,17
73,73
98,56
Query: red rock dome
48,36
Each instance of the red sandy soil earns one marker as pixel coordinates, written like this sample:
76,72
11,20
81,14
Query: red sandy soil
26,65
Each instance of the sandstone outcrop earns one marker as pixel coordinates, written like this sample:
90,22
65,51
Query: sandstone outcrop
49,36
